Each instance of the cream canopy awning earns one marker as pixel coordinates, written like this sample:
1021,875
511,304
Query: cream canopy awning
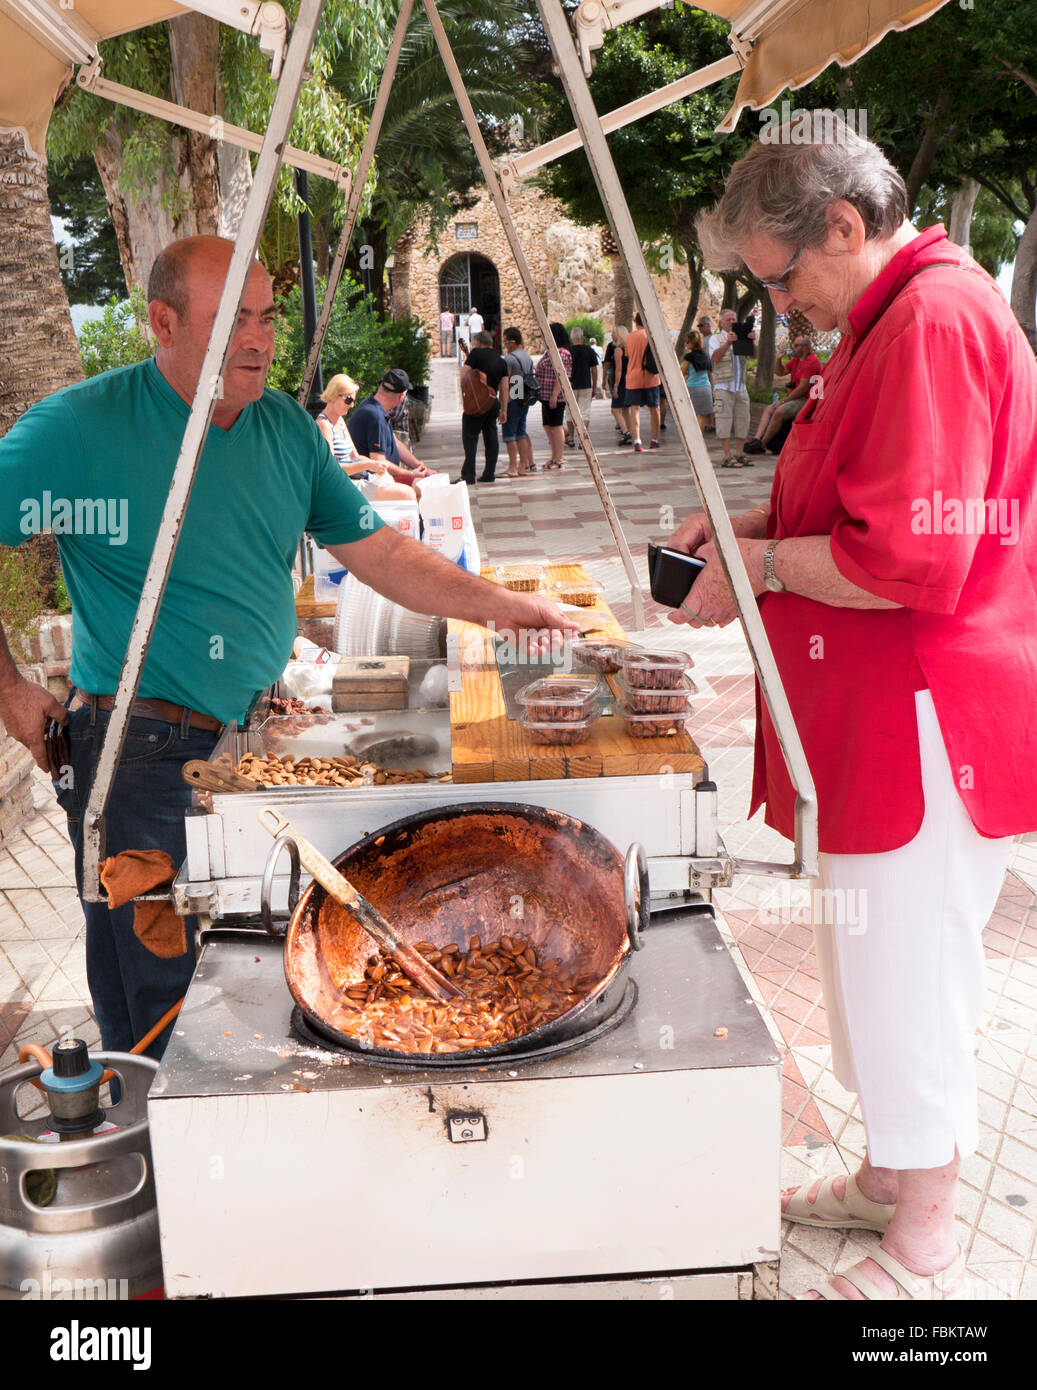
779,44
34,68
794,40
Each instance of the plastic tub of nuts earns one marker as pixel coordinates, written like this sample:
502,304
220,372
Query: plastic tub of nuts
601,653
654,725
558,731
581,593
560,699
645,670
521,579
644,701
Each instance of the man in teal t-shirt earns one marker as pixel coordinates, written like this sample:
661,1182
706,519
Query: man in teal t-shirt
94,463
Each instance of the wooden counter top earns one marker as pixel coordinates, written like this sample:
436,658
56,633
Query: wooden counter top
489,747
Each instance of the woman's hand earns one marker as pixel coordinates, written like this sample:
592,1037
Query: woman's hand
691,534
710,602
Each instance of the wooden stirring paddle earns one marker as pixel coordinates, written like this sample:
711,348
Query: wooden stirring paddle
413,965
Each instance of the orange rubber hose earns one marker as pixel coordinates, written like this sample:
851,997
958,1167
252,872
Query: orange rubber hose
41,1055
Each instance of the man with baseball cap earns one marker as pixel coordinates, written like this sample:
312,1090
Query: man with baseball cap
371,430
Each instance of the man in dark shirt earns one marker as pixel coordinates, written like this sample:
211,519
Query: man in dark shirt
493,367
371,430
586,381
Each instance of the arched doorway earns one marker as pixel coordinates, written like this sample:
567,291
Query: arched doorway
468,279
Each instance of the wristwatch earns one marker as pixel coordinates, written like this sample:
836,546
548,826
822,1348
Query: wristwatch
772,581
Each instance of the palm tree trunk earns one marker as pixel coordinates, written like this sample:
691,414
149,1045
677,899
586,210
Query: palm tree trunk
38,351
623,293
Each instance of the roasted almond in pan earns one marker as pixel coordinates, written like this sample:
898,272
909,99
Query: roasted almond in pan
508,992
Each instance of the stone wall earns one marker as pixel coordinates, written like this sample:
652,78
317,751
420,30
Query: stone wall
50,654
571,274
16,765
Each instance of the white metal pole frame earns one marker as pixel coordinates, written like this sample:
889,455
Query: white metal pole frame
604,170
374,129
510,231
197,427
524,164
215,126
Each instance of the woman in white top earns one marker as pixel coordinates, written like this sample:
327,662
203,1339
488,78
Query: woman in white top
339,395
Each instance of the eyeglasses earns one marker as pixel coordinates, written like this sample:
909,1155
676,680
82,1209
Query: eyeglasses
781,284
349,400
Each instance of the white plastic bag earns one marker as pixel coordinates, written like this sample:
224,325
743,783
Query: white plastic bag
402,516
447,518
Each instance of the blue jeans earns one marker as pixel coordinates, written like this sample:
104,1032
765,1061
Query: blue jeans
129,987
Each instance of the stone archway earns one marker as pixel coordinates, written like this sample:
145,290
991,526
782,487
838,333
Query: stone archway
470,279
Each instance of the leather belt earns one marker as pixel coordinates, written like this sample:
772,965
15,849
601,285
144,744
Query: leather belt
151,709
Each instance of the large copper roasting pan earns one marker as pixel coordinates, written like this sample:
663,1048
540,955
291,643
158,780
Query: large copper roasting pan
486,870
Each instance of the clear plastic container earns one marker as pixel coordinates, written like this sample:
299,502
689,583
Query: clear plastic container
601,653
558,732
581,593
634,701
655,725
558,699
521,579
645,670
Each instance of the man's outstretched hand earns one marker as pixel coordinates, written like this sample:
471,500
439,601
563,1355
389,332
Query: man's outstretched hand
25,708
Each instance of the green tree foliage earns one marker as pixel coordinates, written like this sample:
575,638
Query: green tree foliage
89,260
992,237
671,164
23,590
424,159
358,342
117,338
327,121
592,327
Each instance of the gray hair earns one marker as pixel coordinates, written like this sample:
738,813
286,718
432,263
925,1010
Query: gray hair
784,189
576,335
483,338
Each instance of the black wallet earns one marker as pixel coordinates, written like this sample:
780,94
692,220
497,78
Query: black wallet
671,574
57,747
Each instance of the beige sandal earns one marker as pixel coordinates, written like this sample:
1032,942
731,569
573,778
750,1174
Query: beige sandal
910,1286
855,1212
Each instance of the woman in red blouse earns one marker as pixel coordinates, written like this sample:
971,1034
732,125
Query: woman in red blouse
896,568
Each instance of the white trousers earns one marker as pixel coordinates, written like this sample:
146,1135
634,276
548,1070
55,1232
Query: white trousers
902,969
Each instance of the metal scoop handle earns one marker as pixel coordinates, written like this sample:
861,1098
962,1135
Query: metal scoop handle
414,966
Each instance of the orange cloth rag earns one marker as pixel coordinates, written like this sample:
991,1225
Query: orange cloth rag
156,925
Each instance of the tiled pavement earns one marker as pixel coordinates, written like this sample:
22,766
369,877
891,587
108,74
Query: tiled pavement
557,515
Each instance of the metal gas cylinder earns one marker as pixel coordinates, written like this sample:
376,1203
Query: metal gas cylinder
77,1210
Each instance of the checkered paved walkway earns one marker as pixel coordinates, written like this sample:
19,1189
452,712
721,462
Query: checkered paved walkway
557,516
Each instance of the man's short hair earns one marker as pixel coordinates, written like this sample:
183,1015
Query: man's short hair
638,321
483,338
168,280
576,334
513,335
